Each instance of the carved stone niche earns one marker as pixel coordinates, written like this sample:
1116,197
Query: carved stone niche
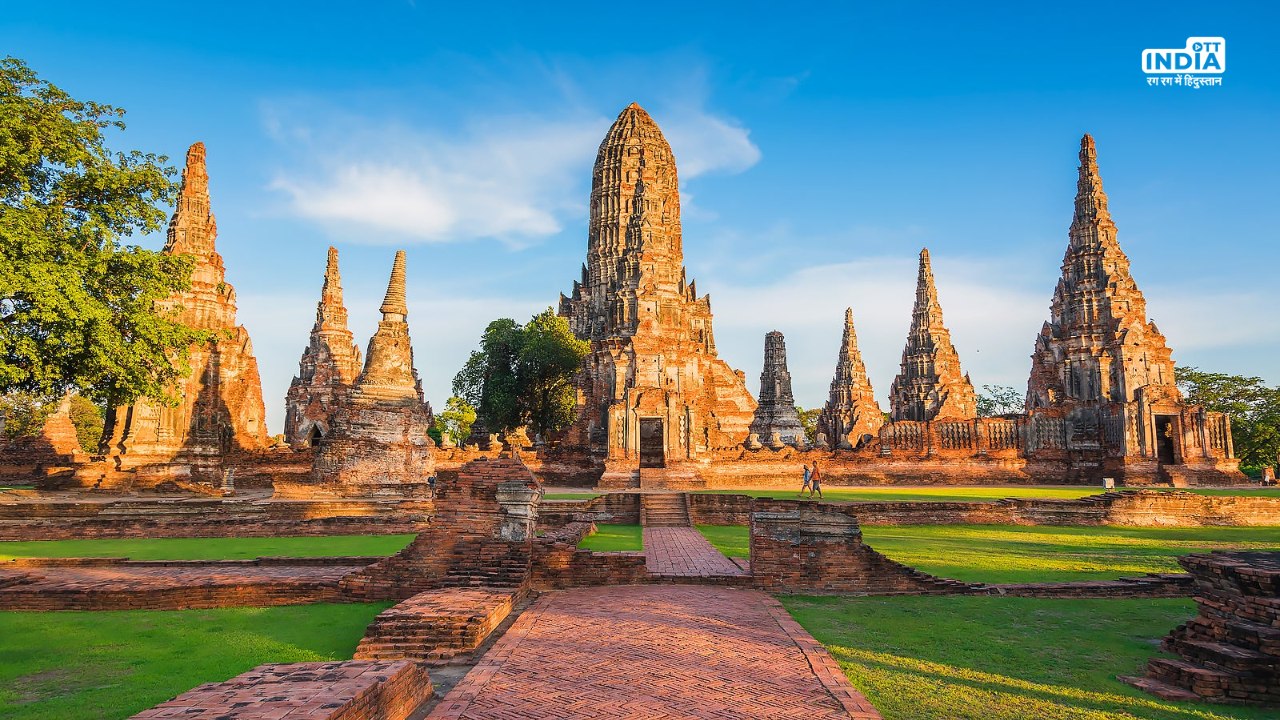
519,502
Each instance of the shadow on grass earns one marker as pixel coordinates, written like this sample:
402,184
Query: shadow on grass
993,658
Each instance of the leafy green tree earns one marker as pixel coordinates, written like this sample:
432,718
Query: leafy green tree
26,413
1253,406
456,419
523,374
809,421
76,305
996,400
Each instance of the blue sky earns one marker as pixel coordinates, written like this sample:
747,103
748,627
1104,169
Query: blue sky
819,147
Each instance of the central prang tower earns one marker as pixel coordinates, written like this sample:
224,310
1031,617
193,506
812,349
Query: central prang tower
652,391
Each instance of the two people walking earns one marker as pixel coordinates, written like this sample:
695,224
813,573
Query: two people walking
812,481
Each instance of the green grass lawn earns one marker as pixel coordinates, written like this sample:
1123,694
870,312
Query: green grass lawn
570,496
209,548
989,658
732,540
612,538
1012,553
17,487
888,493
110,665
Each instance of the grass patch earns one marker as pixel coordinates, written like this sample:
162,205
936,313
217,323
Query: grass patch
209,548
570,496
1013,553
17,487
968,494
82,665
613,538
732,540
990,658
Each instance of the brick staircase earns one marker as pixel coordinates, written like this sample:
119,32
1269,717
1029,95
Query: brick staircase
664,510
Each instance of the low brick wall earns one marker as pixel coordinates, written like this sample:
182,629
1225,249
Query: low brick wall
352,690
1134,508
35,519
558,563
611,509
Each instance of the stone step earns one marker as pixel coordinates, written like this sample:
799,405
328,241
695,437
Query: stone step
1221,656
1241,633
1205,682
1164,691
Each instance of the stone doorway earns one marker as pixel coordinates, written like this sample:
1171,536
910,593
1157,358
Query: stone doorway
652,443
1166,426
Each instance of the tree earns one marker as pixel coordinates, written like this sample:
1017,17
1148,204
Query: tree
26,413
996,400
523,375
809,421
1254,409
456,418
77,307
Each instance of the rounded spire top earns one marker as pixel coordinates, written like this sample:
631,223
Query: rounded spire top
394,303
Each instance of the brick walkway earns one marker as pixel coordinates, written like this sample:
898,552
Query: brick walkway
683,551
650,652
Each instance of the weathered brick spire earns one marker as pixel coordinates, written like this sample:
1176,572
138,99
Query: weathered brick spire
777,409
1097,345
653,350
328,368
379,443
851,412
930,385
388,373
220,406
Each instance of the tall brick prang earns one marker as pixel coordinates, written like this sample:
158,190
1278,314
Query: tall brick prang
379,443
776,412
851,414
328,368
1102,389
929,385
220,409
652,391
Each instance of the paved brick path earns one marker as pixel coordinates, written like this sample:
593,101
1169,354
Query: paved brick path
650,652
684,551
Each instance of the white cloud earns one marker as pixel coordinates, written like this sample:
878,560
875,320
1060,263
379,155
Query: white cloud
704,143
515,179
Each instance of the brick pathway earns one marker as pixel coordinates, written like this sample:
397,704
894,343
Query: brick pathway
648,652
683,551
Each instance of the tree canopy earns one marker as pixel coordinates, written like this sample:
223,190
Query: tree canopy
76,305
522,375
996,400
1253,406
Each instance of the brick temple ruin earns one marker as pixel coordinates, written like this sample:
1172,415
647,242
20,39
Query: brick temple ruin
656,407
653,394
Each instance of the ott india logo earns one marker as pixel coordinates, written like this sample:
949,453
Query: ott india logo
1201,56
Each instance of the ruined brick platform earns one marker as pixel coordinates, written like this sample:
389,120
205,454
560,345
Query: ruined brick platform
655,652
437,624
683,552
1230,652
354,690
43,584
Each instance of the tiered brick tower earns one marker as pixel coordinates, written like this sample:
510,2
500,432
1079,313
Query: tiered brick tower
930,385
851,413
379,443
1097,345
777,410
652,389
328,367
220,406
1102,385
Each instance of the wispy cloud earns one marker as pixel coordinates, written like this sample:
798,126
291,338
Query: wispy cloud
511,178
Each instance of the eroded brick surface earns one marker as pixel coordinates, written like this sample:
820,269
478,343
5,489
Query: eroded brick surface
171,585
305,691
655,652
